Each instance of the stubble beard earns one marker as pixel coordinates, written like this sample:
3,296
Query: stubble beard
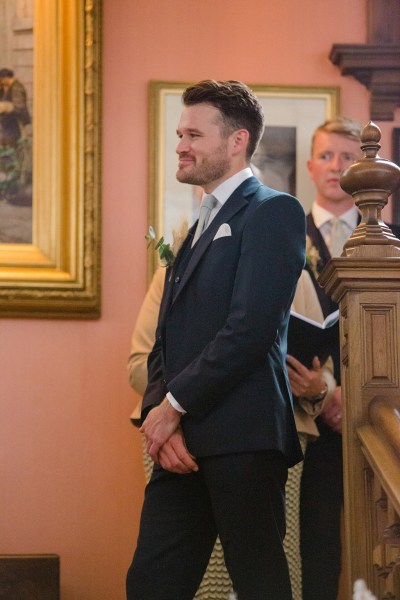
205,173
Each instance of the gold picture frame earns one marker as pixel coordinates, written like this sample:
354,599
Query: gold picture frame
58,275
298,108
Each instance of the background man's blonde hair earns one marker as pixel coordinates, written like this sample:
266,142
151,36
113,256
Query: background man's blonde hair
340,125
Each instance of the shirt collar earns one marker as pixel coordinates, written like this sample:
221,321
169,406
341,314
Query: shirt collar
322,216
227,187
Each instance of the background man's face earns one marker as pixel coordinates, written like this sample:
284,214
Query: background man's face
332,153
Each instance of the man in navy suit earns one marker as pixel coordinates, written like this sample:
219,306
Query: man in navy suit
217,412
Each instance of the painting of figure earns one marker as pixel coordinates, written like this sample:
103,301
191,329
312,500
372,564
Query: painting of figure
275,158
16,120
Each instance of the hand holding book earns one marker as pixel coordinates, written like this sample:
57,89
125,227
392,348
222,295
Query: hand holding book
308,338
306,383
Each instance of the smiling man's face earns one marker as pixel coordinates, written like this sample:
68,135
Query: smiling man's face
204,153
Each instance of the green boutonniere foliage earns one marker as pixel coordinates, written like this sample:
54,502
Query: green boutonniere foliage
167,257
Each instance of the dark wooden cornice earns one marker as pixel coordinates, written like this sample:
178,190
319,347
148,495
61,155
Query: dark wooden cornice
377,67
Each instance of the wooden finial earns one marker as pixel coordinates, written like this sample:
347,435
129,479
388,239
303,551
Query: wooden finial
370,180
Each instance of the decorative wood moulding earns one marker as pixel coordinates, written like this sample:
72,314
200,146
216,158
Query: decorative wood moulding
377,67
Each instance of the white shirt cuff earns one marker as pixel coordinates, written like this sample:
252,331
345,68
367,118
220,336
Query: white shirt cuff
175,404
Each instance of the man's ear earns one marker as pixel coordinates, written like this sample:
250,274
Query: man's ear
240,139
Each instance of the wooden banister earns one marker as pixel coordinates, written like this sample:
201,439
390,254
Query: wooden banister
380,444
384,414
365,281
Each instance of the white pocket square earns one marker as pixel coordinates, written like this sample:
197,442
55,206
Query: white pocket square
223,231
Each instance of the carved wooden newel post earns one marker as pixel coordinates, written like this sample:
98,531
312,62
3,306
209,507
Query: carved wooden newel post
365,281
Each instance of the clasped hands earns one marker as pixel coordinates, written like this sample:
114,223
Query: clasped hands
307,383
165,443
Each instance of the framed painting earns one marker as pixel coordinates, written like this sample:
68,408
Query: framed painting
396,159
56,273
291,116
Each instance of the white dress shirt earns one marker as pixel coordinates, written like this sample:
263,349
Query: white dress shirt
322,219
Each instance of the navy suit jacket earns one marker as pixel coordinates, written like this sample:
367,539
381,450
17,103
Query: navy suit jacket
221,338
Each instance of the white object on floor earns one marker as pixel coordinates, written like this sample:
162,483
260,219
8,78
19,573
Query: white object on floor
361,591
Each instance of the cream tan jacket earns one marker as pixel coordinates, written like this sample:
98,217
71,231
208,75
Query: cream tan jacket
305,302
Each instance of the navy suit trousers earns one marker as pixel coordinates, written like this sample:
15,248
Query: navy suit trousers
241,497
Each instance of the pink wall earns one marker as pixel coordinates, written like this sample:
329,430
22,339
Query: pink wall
71,474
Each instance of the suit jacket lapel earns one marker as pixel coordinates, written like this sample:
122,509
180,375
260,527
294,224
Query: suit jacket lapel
318,241
237,201
169,279
326,302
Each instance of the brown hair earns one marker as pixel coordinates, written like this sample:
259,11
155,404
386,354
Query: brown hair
239,107
342,126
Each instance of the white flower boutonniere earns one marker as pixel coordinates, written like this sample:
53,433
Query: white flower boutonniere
313,258
166,252
167,257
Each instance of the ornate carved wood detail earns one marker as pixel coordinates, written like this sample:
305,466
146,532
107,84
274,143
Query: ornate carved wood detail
378,69
382,520
391,535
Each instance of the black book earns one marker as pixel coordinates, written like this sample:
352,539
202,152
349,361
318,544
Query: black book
308,338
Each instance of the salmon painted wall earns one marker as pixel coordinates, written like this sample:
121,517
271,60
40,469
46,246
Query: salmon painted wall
71,473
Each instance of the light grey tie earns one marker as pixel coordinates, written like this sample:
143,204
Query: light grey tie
338,236
207,204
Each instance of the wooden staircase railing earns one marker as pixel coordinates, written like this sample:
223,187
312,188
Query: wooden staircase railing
380,444
365,281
